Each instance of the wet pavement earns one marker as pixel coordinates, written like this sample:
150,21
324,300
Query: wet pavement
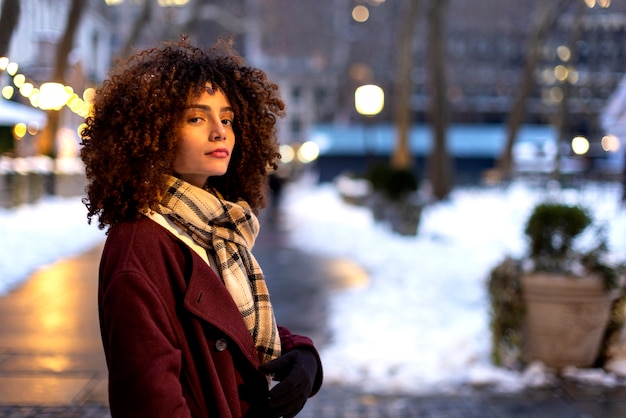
52,365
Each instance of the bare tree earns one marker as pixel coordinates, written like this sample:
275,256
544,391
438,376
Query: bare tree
64,47
563,115
140,22
196,14
439,162
402,157
547,16
203,11
196,11
9,17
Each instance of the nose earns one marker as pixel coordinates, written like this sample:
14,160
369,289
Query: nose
218,131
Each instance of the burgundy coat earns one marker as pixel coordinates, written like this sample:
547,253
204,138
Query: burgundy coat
175,342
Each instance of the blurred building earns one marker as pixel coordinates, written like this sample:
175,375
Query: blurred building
321,54
320,51
41,24
613,120
32,50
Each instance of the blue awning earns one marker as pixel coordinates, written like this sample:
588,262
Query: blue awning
12,113
463,140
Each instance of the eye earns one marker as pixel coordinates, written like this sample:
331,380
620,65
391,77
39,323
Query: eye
227,122
195,119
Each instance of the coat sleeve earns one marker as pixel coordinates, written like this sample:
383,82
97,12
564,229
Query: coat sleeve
291,341
142,355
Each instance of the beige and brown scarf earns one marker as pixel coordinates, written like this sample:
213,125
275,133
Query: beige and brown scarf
229,230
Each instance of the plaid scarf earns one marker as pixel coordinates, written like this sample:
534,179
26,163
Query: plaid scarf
229,229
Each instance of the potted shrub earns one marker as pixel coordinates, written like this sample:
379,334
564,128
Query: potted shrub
353,190
393,197
378,177
556,304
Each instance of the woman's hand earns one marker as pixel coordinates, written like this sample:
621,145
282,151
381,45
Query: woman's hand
296,372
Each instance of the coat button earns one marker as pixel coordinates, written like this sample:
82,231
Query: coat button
221,345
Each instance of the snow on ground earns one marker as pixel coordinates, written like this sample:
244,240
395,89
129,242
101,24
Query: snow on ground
32,236
420,324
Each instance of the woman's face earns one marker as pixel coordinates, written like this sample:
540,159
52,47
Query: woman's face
206,139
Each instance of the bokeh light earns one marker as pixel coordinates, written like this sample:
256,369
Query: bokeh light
27,89
33,128
287,153
89,94
573,76
19,80
7,92
12,68
564,53
308,152
19,130
172,3
601,3
556,94
561,72
610,143
580,145
360,14
53,96
369,99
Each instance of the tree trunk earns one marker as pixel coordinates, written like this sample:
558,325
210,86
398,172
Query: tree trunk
64,47
548,15
140,22
563,116
439,162
9,18
402,157
177,32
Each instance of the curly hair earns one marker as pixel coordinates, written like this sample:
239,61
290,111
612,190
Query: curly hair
129,140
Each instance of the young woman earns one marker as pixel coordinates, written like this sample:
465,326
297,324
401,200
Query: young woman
177,152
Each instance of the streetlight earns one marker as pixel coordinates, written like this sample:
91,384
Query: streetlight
369,101
308,152
580,145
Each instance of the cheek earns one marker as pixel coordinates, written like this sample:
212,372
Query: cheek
180,158
177,165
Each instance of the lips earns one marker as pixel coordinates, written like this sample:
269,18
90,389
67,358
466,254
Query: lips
219,153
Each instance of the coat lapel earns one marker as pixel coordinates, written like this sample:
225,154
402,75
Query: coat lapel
208,298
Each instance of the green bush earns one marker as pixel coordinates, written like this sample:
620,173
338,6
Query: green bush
507,312
394,183
552,228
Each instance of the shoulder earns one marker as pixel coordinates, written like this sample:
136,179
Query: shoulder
143,247
139,236
143,228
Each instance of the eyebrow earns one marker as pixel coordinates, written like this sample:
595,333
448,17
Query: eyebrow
205,107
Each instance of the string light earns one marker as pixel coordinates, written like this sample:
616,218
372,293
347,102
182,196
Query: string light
48,96
161,3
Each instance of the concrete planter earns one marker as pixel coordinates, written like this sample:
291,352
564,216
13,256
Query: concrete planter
565,319
379,206
404,217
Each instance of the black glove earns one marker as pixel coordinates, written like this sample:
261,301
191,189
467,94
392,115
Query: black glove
296,372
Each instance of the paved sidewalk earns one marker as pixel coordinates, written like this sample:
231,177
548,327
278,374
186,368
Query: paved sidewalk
52,365
50,350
